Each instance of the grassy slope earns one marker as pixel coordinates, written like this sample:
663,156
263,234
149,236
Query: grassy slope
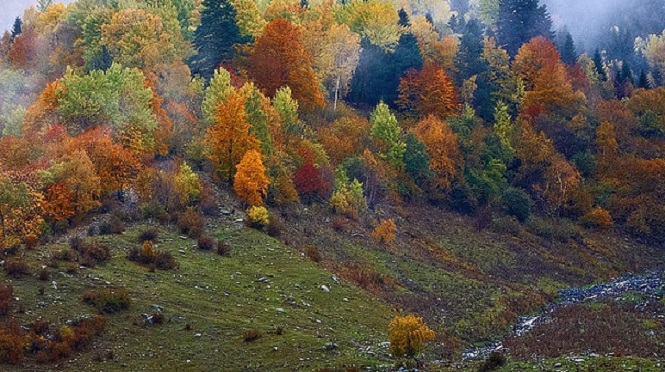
469,284
219,297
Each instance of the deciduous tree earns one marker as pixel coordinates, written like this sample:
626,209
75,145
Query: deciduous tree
251,182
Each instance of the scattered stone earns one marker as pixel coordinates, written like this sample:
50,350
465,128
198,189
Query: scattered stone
335,279
325,288
331,346
197,335
558,365
183,237
280,310
275,348
54,285
263,280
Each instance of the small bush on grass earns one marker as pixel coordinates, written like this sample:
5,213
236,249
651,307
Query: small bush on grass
251,335
44,274
190,223
275,227
6,298
312,253
149,256
107,300
223,249
494,362
206,243
257,217
148,234
16,268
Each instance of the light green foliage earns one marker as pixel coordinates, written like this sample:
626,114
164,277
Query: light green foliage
375,20
258,120
116,97
13,90
188,183
503,126
348,197
216,93
386,131
11,120
287,109
248,17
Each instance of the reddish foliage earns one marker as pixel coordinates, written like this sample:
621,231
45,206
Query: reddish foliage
309,179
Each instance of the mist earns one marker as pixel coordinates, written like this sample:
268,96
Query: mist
591,21
14,8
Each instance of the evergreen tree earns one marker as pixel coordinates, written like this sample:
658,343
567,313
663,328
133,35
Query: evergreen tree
598,64
216,37
416,159
568,52
379,72
18,27
469,61
520,21
643,82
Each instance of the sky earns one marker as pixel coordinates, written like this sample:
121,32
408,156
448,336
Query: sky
14,8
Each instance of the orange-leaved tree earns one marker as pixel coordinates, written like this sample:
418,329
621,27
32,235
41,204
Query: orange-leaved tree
229,139
251,182
443,149
539,66
279,59
428,91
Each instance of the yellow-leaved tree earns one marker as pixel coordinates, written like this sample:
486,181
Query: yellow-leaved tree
409,336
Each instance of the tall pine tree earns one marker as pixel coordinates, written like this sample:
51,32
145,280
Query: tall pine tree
216,37
379,72
520,21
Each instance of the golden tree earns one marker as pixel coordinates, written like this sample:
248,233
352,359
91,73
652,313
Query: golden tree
409,335
442,147
229,139
251,182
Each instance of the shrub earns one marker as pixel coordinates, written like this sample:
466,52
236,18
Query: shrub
206,243
257,217
149,256
208,203
251,335
75,243
516,202
93,254
165,261
16,268
31,241
597,217
312,253
6,298
408,336
506,225
223,249
495,361
117,226
385,232
107,300
339,224
44,274
275,227
148,234
190,223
